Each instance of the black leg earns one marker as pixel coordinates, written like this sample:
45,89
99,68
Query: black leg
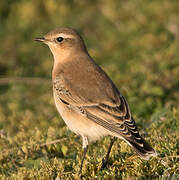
105,160
84,154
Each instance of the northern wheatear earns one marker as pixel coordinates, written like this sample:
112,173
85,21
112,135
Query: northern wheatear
86,98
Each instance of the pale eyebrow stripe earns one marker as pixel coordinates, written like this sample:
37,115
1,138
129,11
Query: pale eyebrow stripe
66,36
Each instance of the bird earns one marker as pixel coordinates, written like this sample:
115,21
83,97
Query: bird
87,99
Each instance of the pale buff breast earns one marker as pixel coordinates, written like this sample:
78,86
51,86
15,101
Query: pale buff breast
78,123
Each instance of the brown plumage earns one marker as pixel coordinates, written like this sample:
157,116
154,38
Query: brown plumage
85,96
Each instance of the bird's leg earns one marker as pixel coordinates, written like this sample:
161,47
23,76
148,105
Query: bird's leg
85,147
84,154
105,160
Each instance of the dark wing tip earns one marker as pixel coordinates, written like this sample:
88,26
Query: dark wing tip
142,148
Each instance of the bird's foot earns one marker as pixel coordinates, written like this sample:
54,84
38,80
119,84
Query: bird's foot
104,163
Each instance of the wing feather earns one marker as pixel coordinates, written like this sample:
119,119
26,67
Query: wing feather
103,103
116,118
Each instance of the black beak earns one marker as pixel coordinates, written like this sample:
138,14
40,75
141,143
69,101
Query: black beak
41,39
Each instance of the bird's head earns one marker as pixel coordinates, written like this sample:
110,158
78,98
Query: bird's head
63,42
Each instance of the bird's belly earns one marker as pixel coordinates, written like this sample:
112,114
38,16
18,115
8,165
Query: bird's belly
79,124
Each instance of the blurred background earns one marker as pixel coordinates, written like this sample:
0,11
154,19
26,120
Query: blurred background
135,42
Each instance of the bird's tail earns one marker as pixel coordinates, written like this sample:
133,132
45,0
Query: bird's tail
142,148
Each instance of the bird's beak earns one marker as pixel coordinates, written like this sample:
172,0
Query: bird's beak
41,39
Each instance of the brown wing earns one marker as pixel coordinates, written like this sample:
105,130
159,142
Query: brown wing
113,115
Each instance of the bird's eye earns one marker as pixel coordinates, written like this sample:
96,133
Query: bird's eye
59,39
